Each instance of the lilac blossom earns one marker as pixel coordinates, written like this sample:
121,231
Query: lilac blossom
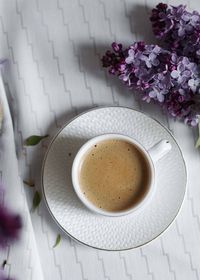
178,29
10,223
160,76
3,277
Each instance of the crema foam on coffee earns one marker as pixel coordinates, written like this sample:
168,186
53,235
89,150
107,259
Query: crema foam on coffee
114,175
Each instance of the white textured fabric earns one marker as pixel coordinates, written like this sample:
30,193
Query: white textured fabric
54,72
22,259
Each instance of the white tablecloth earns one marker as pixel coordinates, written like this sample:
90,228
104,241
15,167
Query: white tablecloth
53,73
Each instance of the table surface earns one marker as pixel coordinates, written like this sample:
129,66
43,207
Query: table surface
53,73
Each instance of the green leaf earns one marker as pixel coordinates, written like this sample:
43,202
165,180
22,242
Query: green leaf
29,183
36,201
58,239
198,143
34,140
198,140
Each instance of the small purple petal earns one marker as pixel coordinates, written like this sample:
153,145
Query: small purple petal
152,94
160,97
116,47
174,74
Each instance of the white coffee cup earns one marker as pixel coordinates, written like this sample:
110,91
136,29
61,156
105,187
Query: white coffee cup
152,155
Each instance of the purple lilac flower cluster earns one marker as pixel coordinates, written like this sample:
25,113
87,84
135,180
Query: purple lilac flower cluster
160,75
178,29
10,225
3,277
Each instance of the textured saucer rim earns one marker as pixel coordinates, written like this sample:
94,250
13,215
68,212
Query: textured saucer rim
42,178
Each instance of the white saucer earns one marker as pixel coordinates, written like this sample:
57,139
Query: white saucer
112,233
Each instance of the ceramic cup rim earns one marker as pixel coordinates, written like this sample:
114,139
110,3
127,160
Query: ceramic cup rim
75,170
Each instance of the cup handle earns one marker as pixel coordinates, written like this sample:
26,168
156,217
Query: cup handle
159,150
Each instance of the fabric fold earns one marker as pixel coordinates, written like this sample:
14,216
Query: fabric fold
27,264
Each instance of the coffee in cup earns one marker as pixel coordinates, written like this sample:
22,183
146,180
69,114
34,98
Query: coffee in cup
114,175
